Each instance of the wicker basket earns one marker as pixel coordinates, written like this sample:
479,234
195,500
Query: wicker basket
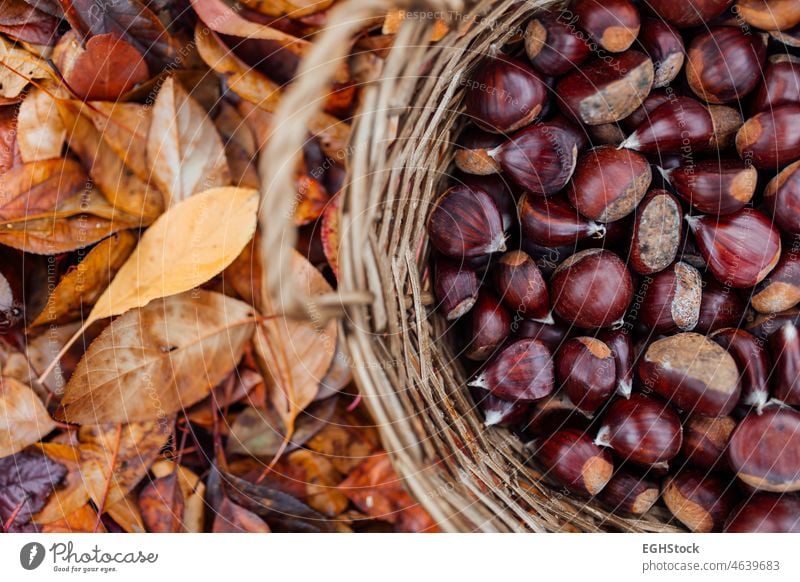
467,477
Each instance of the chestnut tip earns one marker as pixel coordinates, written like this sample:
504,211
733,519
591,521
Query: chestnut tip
625,388
599,230
492,418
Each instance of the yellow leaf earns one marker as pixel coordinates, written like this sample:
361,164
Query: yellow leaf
17,68
23,417
40,131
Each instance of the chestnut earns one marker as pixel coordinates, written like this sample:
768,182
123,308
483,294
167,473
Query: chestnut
762,326
641,430
705,440
630,493
653,101
552,222
491,325
550,334
539,158
769,14
764,450
789,37
768,139
619,342
504,94
715,186
552,45
552,414
657,230
764,513
671,299
574,461
688,13
609,183
700,502
472,152
606,134
782,199
455,287
499,412
724,64
692,372
577,132
547,258
752,361
465,222
606,90
740,249
591,289
586,371
781,289
613,24
498,190
781,85
521,371
662,43
522,287
720,307
785,349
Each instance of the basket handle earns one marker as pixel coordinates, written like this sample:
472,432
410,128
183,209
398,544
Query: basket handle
300,103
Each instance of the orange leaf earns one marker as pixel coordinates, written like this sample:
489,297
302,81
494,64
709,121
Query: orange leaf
330,234
162,504
232,518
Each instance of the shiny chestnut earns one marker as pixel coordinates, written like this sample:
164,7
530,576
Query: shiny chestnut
455,287
571,458
715,186
619,341
764,513
782,199
769,14
521,287
700,502
781,288
552,222
613,24
521,371
664,45
768,139
753,362
552,45
705,441
720,307
657,230
781,84
472,152
630,493
491,325
586,372
688,13
785,349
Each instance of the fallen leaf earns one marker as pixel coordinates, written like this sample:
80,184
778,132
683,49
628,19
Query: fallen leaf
115,457
243,275
161,504
34,190
311,200
232,518
71,494
395,18
40,131
193,491
223,395
292,8
146,363
240,146
18,68
24,22
338,375
125,514
26,480
184,150
41,350
23,417
331,237
46,236
321,480
82,520
9,149
347,441
124,128
80,287
102,69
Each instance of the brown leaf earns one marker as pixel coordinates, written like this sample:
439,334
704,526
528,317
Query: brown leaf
40,131
346,441
162,504
394,19
240,146
296,354
228,392
9,149
102,69
80,287
72,494
146,364
124,128
18,68
82,520
114,457
232,518
125,514
23,417
321,480
46,236
311,200
24,22
291,8
184,150
192,489
330,234
34,190
26,480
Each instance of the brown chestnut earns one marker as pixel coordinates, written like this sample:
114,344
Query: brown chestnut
591,289
499,412
630,493
724,64
491,325
662,43
472,152
785,349
769,14
768,139
715,186
521,286
740,249
552,45
552,414
763,325
781,85
586,371
456,288
653,101
688,13
700,502
504,94
764,513
498,189
657,230
671,299
613,24
692,372
619,341
609,183
764,450
782,199
552,222
781,289
606,90
705,440
574,461
752,361
641,430
539,158
720,307
465,222
789,37
521,371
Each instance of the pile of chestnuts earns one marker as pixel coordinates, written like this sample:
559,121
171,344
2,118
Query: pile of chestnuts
619,254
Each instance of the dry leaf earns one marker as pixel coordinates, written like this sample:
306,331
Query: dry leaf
193,490
184,150
159,359
80,287
125,514
35,189
295,354
23,417
9,149
18,68
311,200
330,235
321,479
240,146
72,494
394,19
124,127
82,520
46,236
40,131
24,22
115,457
162,505
26,480
291,8
232,518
